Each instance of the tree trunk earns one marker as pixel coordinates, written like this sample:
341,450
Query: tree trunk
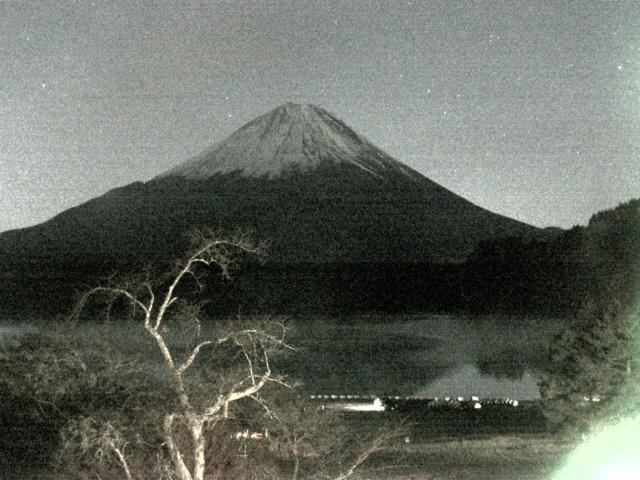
296,465
296,461
196,426
176,456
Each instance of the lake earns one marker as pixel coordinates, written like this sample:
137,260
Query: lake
421,355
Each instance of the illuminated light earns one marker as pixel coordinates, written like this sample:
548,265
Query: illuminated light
620,471
612,454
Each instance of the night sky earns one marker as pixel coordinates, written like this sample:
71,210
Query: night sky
530,109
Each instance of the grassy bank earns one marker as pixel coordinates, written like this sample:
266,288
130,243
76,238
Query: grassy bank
500,457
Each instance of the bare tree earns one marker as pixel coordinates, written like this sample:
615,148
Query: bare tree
253,343
116,417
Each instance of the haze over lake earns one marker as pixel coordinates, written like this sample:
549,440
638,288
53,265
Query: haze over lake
424,355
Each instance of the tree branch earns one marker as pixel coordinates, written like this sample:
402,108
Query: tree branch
194,353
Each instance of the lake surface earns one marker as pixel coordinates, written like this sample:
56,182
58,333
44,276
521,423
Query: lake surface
411,355
421,355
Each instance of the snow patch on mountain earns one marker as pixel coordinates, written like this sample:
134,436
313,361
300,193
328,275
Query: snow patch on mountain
289,137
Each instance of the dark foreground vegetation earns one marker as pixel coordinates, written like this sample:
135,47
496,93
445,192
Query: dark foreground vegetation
493,443
596,354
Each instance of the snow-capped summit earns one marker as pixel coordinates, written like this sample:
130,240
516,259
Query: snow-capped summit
292,136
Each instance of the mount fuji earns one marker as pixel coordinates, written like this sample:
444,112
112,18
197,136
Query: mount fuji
298,177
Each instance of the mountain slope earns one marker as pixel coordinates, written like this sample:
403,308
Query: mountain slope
298,177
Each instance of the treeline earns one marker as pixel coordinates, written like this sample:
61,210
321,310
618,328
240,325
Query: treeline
480,287
597,260
595,356
510,275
